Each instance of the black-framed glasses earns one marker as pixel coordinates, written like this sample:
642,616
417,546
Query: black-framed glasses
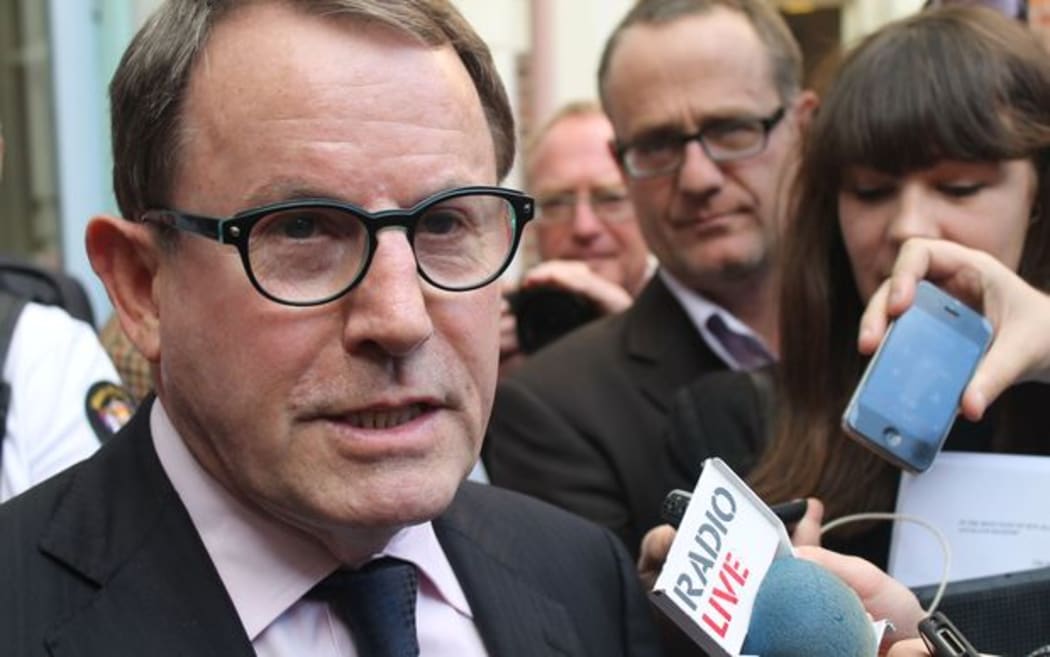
311,251
723,140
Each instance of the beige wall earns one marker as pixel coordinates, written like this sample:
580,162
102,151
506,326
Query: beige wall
504,24
576,31
860,17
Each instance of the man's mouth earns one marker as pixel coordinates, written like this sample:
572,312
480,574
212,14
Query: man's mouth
385,418
702,218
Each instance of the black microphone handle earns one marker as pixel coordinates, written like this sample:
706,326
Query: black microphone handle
674,504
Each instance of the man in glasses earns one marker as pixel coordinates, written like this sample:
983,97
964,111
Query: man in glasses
586,233
311,226
705,102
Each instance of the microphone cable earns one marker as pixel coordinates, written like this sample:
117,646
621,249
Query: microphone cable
937,533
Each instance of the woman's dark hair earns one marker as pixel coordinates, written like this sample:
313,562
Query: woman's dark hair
959,83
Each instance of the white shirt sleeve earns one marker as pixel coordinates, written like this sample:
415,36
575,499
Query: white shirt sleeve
52,362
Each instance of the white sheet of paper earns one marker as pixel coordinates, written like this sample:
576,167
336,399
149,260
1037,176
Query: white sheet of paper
994,509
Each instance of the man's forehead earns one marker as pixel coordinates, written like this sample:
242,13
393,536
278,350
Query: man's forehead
702,66
272,57
573,149
577,132
266,40
279,92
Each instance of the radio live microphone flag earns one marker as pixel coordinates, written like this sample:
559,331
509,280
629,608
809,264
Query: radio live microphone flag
731,574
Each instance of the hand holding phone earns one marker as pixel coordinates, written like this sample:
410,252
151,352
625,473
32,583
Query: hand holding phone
907,400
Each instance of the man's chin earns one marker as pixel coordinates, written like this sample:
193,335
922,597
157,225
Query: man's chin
354,535
415,498
726,270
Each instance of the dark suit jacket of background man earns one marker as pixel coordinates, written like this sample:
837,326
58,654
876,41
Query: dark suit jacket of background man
103,561
581,422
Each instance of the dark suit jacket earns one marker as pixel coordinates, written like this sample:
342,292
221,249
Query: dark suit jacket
581,422
725,414
103,561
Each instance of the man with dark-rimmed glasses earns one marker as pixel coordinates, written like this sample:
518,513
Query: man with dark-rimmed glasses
706,104
310,227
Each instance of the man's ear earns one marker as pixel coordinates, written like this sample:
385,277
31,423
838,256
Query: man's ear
126,257
805,106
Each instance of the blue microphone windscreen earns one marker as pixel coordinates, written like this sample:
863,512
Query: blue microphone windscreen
803,610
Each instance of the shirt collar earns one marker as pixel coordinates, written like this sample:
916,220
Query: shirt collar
700,309
243,542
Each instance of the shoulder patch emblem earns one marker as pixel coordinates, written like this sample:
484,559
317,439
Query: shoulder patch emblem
108,407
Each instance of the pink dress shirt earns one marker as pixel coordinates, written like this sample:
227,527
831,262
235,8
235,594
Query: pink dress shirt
267,567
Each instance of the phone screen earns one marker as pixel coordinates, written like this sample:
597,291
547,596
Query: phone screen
922,377
909,396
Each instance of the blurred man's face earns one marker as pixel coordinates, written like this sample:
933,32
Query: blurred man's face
585,213
364,413
709,223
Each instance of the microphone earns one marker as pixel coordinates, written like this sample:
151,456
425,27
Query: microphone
803,610
732,583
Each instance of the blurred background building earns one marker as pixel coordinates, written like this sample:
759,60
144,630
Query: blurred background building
56,58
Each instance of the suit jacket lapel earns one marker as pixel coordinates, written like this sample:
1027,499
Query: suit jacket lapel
512,616
122,527
663,345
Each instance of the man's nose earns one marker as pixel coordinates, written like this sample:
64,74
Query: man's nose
698,173
585,220
388,308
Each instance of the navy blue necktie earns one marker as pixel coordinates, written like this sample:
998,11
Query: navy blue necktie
378,604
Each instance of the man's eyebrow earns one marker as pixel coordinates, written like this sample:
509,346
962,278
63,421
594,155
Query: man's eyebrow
609,187
283,191
656,132
671,130
294,190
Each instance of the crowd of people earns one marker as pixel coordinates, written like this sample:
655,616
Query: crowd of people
326,366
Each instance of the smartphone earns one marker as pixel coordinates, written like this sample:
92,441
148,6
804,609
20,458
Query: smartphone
907,400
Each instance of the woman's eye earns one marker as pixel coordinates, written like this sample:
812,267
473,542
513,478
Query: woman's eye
870,194
961,190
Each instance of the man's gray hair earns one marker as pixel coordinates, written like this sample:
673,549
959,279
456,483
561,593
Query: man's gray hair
148,91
